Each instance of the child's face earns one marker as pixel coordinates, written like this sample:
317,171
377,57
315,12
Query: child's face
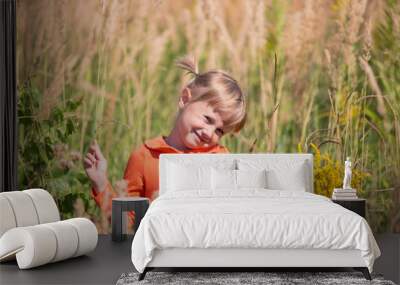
199,125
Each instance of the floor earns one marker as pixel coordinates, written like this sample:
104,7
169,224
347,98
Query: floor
103,266
389,262
111,259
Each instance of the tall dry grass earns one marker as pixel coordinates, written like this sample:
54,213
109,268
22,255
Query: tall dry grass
310,70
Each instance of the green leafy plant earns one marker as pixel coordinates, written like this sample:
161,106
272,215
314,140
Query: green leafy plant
45,160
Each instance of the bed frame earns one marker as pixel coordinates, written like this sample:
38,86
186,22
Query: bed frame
242,259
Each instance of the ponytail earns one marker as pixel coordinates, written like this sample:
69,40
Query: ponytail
189,64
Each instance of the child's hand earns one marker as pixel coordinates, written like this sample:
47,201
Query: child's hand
96,167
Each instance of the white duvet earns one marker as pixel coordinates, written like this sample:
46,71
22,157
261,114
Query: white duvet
252,218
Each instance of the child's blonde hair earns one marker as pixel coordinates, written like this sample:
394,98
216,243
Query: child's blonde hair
220,90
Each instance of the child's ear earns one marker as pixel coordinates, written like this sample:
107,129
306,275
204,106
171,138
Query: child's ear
185,97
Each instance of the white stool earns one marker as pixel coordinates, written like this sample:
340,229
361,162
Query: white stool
31,231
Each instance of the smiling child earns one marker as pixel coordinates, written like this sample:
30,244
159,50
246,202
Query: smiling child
210,106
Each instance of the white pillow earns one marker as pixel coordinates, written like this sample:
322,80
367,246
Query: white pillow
235,179
282,174
277,180
251,178
223,179
181,177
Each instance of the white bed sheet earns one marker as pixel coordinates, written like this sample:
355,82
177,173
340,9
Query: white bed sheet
251,218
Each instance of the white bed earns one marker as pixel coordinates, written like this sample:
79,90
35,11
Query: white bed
201,223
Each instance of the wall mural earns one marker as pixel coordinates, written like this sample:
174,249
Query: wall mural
319,76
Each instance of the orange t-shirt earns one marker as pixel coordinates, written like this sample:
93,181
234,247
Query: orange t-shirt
141,172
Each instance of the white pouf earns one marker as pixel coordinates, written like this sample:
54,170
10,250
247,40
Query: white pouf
31,230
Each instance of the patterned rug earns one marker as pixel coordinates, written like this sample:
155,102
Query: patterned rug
230,278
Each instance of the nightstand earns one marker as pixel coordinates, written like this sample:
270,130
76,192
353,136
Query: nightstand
357,205
118,221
